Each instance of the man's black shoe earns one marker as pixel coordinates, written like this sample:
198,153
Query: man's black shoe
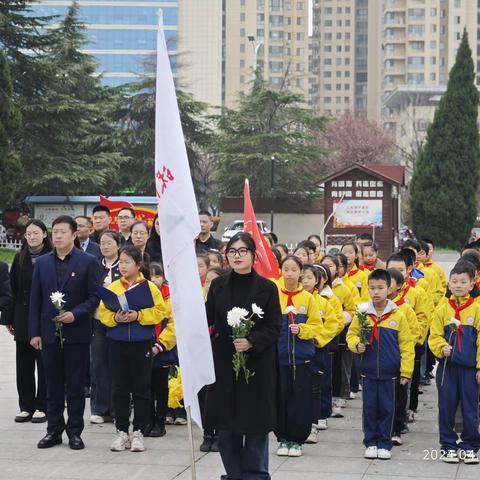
49,440
76,443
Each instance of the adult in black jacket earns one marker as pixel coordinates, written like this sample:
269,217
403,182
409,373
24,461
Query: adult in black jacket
5,289
100,369
31,393
243,413
154,246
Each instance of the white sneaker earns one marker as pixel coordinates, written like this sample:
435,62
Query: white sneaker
410,416
371,452
39,417
137,442
313,437
121,442
295,450
450,457
384,454
282,450
169,420
397,440
337,412
469,457
352,396
322,424
341,402
96,419
180,421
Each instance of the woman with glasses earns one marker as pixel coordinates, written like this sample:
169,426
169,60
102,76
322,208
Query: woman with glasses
139,239
31,393
243,412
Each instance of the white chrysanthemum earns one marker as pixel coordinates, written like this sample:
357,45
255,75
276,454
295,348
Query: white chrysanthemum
257,310
290,309
57,299
236,315
362,308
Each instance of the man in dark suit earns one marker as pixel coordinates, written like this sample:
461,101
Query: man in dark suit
75,274
101,219
84,225
5,288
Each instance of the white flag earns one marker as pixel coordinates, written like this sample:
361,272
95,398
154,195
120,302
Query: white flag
179,226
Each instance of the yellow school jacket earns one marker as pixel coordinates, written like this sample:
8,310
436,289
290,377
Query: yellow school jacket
442,334
393,353
439,271
422,306
434,283
344,294
412,321
360,279
332,324
165,334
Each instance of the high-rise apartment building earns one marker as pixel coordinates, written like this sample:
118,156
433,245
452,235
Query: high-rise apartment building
221,42
121,34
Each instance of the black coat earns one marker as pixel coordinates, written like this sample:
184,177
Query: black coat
5,289
94,249
234,405
21,282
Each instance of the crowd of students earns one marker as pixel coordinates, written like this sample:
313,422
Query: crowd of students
343,322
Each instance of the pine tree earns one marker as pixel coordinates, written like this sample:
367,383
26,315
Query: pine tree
9,122
445,181
269,138
66,143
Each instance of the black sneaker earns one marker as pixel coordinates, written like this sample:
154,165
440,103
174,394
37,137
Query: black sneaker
158,431
214,447
206,445
148,428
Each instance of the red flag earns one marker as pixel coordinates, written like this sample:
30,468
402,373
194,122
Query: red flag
265,263
114,205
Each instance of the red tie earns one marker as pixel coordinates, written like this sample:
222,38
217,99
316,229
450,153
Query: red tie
290,295
412,282
375,335
401,300
457,310
351,273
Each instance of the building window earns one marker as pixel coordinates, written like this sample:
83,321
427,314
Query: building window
415,78
433,28
433,77
416,13
339,74
327,36
242,63
327,61
339,36
433,44
417,45
338,86
458,35
300,52
338,99
339,23
242,78
300,36
338,48
416,30
328,86
327,48
300,20
300,5
242,32
338,61
327,99
347,86
433,60
433,12
457,19
328,23
327,74
347,74
242,17
416,62
458,3
300,82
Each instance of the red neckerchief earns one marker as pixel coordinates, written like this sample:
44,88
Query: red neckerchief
411,282
375,335
370,268
401,300
457,310
290,295
351,273
478,283
428,264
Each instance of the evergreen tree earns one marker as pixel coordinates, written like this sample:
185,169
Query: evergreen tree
445,181
66,144
9,122
270,139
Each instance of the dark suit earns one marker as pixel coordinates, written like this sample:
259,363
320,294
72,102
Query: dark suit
94,249
5,289
65,368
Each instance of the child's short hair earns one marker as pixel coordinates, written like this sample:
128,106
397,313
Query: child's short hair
156,269
473,257
463,266
293,258
333,258
412,243
219,271
396,257
133,253
217,254
371,245
204,257
307,243
350,244
396,275
314,235
429,241
282,246
365,236
424,246
409,256
380,274
342,260
277,254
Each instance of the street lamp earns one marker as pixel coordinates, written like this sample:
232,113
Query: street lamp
256,44
272,184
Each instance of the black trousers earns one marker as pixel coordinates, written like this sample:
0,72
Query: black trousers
32,395
131,373
159,395
295,408
415,384
65,372
401,397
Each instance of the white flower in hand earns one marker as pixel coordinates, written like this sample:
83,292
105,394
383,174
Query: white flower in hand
362,308
57,299
257,310
456,323
236,315
290,309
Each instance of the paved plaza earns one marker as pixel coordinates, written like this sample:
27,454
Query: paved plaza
338,456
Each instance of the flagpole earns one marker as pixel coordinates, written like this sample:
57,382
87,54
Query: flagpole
190,440
335,206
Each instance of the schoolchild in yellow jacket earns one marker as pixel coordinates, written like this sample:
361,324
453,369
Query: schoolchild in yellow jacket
354,273
301,324
388,354
455,341
428,262
313,280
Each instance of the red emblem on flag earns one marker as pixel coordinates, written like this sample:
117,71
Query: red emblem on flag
163,178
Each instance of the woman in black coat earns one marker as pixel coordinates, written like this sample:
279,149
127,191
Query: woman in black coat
31,397
243,413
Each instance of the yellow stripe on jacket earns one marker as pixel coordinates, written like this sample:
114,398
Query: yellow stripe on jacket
413,324
332,324
344,294
167,336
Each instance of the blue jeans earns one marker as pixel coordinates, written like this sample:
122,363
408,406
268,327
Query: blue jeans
100,372
245,457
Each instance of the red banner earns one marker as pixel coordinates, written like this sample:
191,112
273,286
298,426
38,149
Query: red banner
265,263
141,213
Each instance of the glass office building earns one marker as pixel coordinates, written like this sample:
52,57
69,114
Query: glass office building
121,33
